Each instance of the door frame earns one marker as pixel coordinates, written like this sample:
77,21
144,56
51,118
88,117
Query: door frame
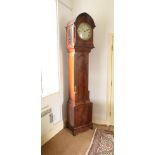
110,81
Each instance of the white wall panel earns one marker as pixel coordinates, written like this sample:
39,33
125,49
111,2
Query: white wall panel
102,13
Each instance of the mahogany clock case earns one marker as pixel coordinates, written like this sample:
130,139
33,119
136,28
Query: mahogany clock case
79,109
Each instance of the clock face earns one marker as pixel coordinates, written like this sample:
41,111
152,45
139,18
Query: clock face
84,31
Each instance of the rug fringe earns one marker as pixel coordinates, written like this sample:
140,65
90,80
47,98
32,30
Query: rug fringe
91,142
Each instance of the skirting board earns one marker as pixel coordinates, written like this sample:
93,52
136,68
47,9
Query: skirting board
101,122
55,129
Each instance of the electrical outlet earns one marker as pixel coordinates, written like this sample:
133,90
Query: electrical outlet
51,117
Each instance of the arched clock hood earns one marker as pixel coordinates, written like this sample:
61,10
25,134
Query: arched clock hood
85,17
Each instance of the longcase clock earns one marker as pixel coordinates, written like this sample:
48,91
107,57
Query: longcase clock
79,42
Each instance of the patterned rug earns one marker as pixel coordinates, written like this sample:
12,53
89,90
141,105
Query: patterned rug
102,143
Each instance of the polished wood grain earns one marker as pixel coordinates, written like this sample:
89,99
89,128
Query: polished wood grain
79,105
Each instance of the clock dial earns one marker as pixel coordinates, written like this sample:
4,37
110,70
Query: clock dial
84,31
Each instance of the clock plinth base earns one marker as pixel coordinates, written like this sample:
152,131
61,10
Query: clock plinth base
76,130
79,117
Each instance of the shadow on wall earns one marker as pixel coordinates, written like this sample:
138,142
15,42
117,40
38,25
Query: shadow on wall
64,16
99,113
65,83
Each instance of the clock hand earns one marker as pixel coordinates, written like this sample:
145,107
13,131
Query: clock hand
87,29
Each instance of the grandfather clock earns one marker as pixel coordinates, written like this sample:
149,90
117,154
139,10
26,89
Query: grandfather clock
79,42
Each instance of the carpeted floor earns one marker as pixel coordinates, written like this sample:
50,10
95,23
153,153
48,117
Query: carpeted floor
64,143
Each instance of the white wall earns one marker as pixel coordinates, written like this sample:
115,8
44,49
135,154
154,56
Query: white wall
64,16
58,101
102,13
